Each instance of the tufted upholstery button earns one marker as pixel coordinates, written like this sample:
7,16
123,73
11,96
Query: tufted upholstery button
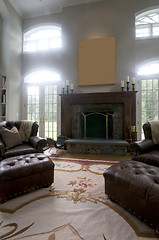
26,172
135,185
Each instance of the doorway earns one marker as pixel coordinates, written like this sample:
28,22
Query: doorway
41,105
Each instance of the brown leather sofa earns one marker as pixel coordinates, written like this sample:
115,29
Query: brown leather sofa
34,144
146,150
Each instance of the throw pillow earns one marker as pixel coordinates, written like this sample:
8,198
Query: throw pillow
11,137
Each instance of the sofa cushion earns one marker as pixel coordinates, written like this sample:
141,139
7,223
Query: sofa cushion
22,149
151,158
11,137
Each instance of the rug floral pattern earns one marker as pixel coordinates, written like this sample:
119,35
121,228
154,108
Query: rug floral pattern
75,207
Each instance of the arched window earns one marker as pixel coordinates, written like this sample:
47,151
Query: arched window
42,38
147,24
42,76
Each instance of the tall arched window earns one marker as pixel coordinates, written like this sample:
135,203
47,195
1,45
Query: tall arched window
42,38
147,24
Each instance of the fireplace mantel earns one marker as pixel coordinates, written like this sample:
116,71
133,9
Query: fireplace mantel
128,99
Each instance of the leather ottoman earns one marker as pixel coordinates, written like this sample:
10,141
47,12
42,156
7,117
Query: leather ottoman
135,186
24,173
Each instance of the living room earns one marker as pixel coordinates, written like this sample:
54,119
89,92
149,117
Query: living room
93,20
28,74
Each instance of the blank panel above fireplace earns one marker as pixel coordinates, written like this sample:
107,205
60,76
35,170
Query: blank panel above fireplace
96,61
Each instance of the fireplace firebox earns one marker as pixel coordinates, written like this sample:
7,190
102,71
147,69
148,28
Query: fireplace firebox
98,125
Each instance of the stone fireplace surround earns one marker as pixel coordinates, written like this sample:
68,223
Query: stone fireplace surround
122,104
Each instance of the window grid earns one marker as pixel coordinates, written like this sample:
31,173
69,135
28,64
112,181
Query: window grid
42,38
51,111
149,101
33,103
147,24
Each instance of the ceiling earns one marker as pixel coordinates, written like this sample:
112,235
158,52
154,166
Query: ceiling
34,8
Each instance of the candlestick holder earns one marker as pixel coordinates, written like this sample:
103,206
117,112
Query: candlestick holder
133,86
63,90
122,89
127,87
67,89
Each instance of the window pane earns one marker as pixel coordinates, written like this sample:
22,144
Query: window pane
149,101
42,38
147,24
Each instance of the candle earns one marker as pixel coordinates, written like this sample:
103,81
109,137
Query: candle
133,80
127,78
71,86
67,82
63,85
122,84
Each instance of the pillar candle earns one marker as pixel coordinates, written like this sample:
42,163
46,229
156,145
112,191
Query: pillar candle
63,85
71,86
122,83
133,80
67,82
127,78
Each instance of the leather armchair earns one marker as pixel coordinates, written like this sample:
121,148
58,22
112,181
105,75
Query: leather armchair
146,150
33,145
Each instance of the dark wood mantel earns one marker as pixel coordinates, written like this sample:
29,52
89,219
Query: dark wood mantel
128,99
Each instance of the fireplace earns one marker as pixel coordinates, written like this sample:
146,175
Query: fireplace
96,125
121,105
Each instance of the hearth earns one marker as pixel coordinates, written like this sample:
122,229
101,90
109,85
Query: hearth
98,121
121,104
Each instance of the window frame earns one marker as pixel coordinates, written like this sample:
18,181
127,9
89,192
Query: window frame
139,25
37,29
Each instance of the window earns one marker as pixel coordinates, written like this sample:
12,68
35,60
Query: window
41,91
149,100
149,93
147,24
42,38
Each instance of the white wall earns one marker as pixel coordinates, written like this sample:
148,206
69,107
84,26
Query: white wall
11,45
99,19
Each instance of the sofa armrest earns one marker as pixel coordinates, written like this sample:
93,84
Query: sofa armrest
38,143
2,149
142,146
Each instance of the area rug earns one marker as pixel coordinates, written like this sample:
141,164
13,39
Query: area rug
74,207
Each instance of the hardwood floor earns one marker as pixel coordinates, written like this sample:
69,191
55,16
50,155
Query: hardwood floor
62,153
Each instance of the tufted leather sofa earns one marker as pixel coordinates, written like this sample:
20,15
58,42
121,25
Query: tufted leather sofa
135,186
146,150
33,145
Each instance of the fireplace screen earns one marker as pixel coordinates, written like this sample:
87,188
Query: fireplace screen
97,125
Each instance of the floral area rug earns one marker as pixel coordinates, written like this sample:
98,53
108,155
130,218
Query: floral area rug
74,207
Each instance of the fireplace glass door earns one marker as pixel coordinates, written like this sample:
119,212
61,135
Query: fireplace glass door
97,125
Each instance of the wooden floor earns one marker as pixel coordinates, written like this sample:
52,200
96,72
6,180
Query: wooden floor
63,153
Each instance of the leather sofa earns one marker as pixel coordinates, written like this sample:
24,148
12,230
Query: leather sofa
34,144
146,150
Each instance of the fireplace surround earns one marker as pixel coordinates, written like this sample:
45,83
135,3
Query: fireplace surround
122,105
